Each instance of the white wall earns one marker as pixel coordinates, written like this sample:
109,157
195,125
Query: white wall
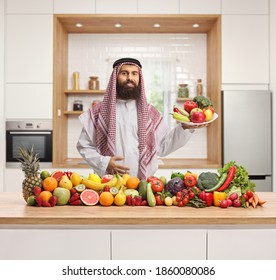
2,112
273,74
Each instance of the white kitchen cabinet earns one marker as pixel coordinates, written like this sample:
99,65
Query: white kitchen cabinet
29,101
245,7
29,49
29,6
155,244
200,6
245,49
74,6
54,244
156,7
116,7
242,244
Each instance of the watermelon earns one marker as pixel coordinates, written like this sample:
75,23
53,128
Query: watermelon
89,197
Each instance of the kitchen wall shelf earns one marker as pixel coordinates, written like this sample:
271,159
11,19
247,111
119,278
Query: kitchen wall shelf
73,112
84,91
183,99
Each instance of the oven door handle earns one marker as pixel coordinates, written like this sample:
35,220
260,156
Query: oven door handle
30,132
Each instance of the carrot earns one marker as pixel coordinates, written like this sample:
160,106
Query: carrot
256,198
250,199
261,202
254,203
247,203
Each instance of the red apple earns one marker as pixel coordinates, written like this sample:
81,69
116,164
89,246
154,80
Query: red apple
189,105
106,178
198,117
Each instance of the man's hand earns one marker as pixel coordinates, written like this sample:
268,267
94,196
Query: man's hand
113,167
185,126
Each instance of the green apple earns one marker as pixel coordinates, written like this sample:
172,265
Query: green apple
62,194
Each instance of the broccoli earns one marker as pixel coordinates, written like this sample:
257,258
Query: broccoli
202,101
207,180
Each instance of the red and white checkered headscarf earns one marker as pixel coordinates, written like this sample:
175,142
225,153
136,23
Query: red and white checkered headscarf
104,118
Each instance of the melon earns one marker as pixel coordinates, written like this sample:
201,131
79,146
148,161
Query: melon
89,197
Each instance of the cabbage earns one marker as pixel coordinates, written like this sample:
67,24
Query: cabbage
175,185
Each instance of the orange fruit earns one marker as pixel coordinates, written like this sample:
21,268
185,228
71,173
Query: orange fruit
132,182
106,198
49,184
45,195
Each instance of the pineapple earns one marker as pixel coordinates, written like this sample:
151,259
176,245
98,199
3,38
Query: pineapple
30,166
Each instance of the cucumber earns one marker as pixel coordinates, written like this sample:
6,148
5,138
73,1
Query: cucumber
142,189
150,196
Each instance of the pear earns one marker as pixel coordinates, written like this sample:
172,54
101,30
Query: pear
65,183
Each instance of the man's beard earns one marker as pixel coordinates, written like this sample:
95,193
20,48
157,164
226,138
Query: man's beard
126,93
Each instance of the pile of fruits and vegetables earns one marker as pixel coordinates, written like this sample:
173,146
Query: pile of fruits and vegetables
198,110
228,187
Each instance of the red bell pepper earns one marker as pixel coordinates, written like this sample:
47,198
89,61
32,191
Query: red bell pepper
207,197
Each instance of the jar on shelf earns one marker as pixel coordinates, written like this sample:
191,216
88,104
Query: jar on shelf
76,80
199,87
77,106
93,83
183,91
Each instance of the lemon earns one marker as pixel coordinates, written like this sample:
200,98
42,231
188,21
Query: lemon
75,179
94,177
44,174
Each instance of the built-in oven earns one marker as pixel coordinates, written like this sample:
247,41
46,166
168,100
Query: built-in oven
27,134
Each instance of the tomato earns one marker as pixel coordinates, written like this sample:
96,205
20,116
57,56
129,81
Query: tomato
191,195
185,200
180,203
189,105
157,186
159,200
190,181
151,179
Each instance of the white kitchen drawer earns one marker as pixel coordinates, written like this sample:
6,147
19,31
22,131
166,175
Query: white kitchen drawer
242,244
200,6
29,6
159,244
54,244
29,101
29,49
74,6
157,7
245,7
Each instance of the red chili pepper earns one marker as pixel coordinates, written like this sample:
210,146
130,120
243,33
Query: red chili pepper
230,176
175,109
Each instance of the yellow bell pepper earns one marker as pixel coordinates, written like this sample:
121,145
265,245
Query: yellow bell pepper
218,197
190,173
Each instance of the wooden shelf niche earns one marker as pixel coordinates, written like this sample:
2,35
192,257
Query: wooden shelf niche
208,24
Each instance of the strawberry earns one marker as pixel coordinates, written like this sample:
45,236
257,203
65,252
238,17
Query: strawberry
144,203
73,191
46,204
38,201
138,200
133,201
37,191
128,200
53,200
74,197
76,202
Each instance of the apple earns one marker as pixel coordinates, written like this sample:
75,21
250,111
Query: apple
106,178
62,194
189,105
198,117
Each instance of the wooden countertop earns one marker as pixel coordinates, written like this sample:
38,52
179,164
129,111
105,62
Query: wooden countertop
13,210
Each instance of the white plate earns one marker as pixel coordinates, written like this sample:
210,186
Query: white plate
191,124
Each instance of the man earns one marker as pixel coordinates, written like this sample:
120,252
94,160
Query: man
124,133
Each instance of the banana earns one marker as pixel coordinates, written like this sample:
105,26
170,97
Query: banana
182,111
180,117
125,178
99,186
119,181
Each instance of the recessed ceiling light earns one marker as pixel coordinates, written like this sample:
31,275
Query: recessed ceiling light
118,25
196,25
156,25
78,24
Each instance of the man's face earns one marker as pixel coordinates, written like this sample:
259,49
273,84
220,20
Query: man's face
128,82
